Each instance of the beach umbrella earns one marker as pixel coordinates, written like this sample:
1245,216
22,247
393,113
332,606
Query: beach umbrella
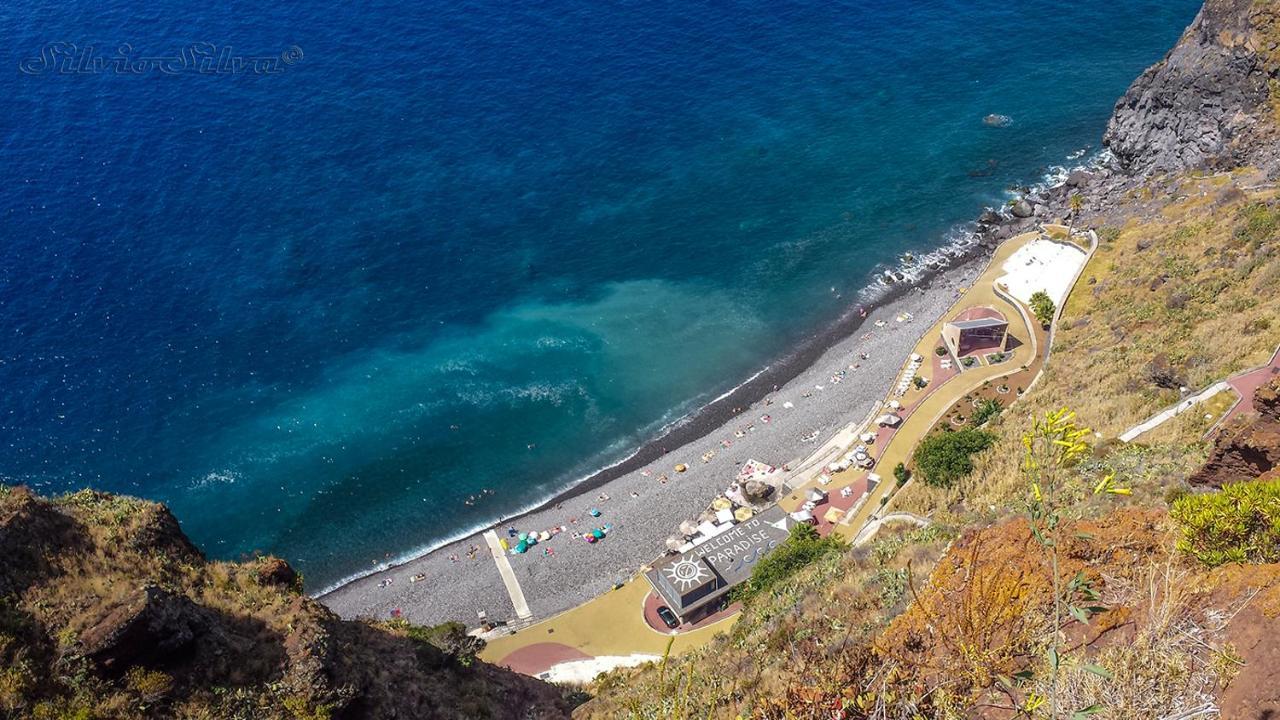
522,547
675,542
524,536
742,514
597,533
681,467
721,503
590,538
688,527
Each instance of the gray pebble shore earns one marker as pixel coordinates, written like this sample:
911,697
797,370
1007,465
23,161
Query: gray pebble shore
457,586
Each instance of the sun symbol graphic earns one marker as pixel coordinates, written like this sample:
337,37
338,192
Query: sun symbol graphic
686,572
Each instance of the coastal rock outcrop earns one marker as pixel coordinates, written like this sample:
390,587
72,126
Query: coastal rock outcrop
1211,102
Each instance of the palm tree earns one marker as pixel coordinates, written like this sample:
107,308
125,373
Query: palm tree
1076,201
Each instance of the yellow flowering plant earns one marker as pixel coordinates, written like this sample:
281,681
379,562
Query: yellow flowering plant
1054,445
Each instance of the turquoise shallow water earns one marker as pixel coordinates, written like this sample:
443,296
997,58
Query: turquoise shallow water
454,248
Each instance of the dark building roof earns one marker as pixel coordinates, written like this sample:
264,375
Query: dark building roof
699,576
975,324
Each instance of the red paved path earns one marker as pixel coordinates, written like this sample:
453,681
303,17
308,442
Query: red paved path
535,659
1246,383
652,602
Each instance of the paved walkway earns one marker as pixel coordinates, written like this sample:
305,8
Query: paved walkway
868,531
1169,413
508,576
1243,383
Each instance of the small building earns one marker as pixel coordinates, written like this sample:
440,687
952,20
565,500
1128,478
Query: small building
976,330
694,583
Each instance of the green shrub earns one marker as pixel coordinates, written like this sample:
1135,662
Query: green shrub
1258,225
1173,494
1241,523
944,458
1108,234
901,474
800,550
1042,305
449,637
1256,325
987,410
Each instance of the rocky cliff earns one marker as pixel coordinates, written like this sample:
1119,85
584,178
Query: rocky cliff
1212,102
1249,448
108,611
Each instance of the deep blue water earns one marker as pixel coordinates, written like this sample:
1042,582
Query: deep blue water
314,310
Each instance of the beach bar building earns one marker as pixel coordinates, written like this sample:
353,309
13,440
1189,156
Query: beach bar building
976,330
694,583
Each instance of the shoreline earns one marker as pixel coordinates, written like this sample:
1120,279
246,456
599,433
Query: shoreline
382,592
698,423
978,240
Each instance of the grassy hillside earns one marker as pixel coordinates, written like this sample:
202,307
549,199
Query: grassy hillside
1182,294
108,611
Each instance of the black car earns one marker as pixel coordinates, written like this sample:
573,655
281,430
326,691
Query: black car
668,617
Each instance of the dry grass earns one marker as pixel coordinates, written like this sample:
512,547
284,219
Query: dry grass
1195,285
1173,662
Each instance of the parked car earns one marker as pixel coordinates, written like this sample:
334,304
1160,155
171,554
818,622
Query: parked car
668,617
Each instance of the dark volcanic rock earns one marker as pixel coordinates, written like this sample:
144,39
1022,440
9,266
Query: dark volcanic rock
1248,449
273,571
1206,104
757,491
1078,178
149,626
1022,209
1164,375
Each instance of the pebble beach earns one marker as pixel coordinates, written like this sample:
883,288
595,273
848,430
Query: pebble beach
646,504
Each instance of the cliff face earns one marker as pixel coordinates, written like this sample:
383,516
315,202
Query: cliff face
108,611
1212,102
1248,449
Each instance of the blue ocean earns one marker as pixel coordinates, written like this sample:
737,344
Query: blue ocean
316,274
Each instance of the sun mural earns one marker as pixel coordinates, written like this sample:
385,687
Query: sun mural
687,573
